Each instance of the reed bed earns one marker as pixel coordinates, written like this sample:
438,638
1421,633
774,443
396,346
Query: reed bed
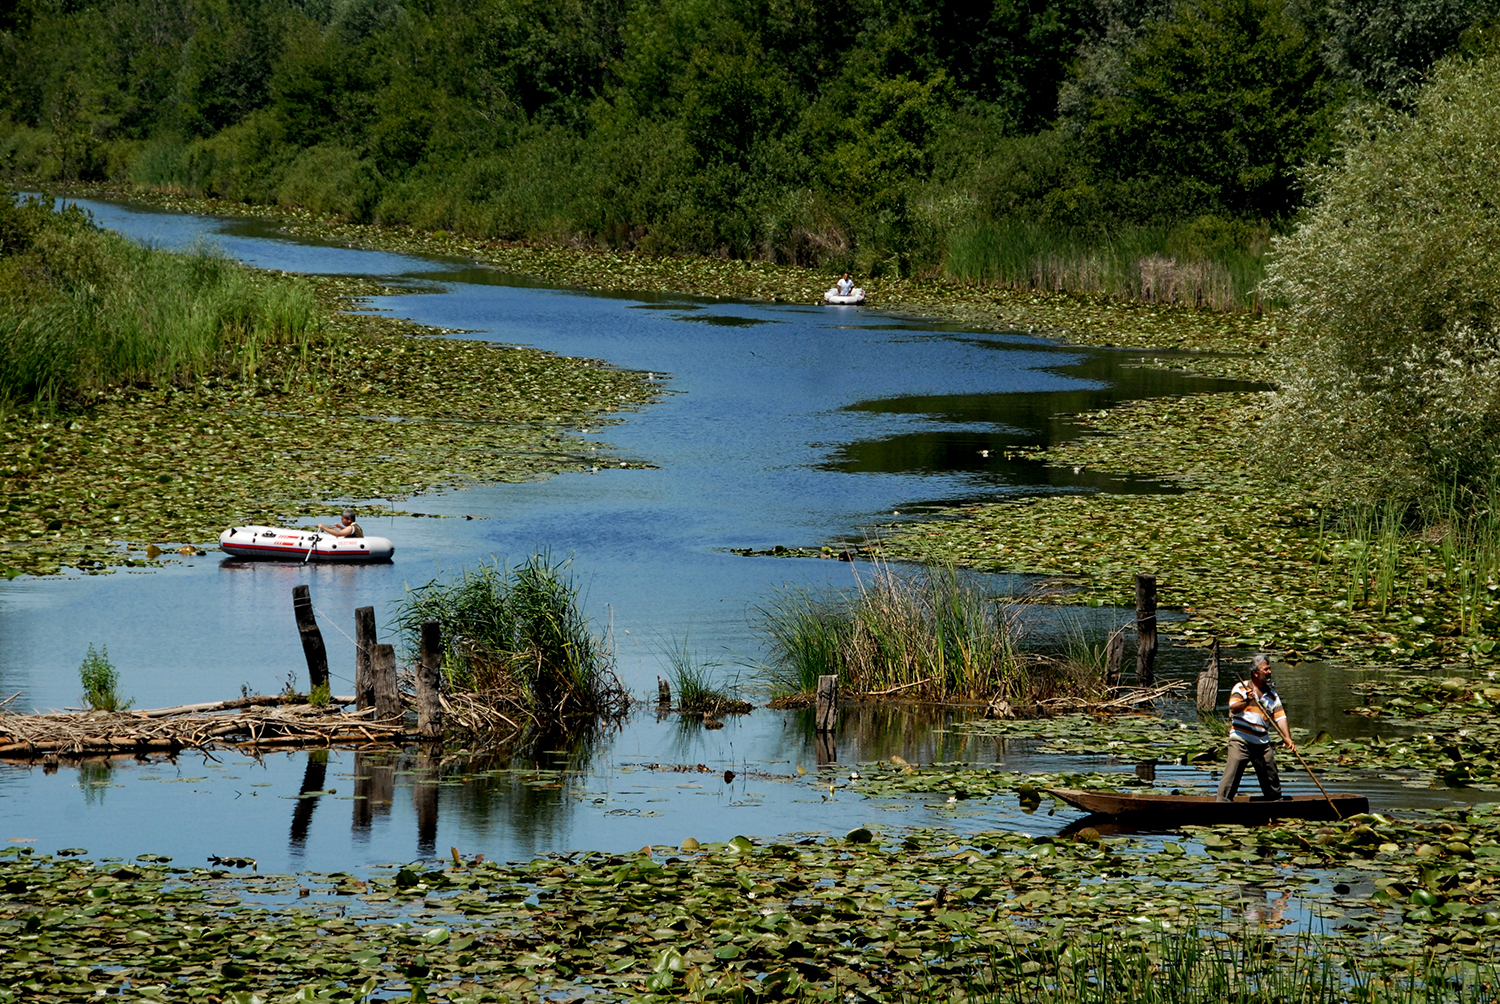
928,633
1138,264
1250,966
697,687
82,309
518,652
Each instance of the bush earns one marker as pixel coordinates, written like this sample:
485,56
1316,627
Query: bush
1391,386
101,682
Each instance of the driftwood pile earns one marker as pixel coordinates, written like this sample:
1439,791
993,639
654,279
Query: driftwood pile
255,721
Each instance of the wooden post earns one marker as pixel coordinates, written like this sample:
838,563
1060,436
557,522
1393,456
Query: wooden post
826,704
430,682
1208,681
1145,630
663,691
1114,658
1146,770
824,748
387,694
312,638
364,644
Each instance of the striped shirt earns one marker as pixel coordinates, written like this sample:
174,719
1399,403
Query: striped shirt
1249,724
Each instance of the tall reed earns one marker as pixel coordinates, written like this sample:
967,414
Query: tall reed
1133,264
519,637
929,632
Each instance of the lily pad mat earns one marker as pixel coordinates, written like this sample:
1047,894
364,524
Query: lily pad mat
379,411
891,914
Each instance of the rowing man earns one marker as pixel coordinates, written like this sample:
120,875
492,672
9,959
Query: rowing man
1254,709
346,528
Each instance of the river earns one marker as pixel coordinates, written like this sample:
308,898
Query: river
778,424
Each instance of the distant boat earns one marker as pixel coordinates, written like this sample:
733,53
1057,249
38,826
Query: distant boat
852,299
271,543
1206,810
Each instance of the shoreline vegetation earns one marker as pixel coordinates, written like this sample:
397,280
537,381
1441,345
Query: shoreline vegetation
245,427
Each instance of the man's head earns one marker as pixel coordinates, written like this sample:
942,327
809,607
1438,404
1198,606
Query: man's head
1260,668
348,517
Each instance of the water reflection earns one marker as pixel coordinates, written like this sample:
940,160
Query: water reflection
314,777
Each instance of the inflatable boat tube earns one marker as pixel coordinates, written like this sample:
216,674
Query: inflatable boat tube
269,543
857,296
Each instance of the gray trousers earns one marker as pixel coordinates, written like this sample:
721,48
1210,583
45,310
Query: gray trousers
1258,755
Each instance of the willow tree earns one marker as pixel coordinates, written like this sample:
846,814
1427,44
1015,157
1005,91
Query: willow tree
1390,382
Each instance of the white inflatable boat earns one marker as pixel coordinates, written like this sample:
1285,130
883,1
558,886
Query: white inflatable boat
276,544
855,296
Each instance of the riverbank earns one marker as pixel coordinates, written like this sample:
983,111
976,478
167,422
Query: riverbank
382,410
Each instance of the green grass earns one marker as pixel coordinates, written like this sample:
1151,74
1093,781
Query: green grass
1249,966
1205,263
932,632
696,684
101,682
82,309
517,637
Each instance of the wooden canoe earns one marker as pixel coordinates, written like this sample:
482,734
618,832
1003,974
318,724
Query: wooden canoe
1151,809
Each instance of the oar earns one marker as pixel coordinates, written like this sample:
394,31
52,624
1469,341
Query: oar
314,545
1249,690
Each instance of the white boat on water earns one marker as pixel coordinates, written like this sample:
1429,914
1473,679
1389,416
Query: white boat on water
278,544
854,297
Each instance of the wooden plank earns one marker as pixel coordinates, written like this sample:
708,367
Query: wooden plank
430,682
1114,658
364,643
1208,681
387,693
312,639
1145,630
826,704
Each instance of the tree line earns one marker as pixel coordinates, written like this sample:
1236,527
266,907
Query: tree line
905,135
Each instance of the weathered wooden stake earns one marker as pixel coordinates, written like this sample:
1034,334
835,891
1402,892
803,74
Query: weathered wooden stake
1145,630
430,682
826,704
663,691
312,638
364,642
1114,658
1146,770
387,694
1208,681
825,749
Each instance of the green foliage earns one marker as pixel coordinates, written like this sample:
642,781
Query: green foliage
1389,389
931,633
696,685
81,309
320,696
517,633
101,682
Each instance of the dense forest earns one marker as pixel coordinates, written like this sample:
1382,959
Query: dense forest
1050,142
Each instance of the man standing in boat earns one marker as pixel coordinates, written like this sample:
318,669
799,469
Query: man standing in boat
1254,709
346,528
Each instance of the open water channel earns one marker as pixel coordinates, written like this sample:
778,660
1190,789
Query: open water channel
778,424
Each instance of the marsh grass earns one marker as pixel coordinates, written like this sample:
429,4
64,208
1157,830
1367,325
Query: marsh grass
1191,966
516,639
1151,264
697,684
82,309
930,632
101,682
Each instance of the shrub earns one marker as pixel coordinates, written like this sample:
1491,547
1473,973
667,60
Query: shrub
101,682
1391,386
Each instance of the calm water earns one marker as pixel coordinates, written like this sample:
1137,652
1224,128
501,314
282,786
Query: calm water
794,425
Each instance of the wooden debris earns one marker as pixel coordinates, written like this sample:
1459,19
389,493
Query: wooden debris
259,721
1129,700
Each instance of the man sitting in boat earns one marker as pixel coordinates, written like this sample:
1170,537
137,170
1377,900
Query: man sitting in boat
1254,707
346,528
845,286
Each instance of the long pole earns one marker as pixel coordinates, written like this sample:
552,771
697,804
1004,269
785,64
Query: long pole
1249,690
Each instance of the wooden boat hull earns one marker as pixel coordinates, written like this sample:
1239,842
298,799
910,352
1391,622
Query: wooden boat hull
269,543
1204,810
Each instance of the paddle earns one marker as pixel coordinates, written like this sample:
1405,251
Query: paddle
1249,692
312,547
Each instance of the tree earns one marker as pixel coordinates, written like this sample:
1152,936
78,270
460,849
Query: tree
1391,385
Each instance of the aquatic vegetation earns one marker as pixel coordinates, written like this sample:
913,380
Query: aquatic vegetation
517,643
910,914
696,686
179,463
929,632
101,682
